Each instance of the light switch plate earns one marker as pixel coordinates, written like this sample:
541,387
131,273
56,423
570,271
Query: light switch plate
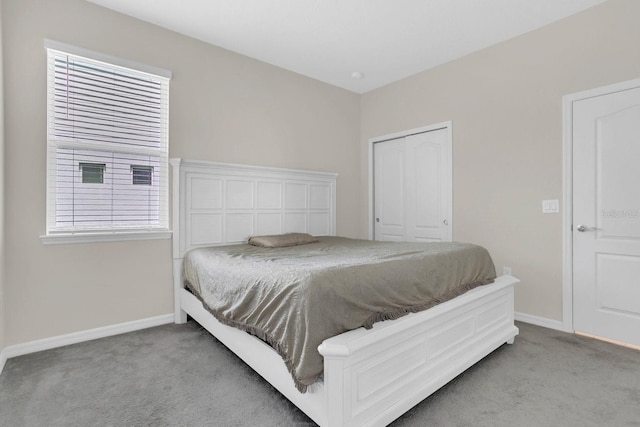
550,206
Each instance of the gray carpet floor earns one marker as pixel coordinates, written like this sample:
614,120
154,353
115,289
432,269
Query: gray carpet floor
179,375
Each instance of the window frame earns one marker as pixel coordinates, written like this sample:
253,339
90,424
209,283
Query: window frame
108,233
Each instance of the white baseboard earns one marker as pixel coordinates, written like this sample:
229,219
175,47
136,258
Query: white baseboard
82,336
541,321
121,328
3,360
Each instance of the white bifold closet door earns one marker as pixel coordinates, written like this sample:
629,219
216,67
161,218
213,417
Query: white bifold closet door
413,187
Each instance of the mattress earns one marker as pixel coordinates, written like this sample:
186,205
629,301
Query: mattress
294,298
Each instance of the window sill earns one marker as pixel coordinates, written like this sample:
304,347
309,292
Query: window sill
64,238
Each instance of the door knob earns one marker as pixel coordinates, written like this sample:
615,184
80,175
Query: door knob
583,228
377,219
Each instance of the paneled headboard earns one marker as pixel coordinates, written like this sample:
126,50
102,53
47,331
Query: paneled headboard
221,203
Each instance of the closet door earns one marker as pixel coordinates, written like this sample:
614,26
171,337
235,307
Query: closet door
428,184
389,190
412,187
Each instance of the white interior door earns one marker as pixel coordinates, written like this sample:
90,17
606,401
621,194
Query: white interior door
413,187
606,215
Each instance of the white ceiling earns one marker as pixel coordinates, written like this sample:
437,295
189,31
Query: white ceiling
329,40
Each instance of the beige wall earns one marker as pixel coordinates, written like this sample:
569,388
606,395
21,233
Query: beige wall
506,106
224,107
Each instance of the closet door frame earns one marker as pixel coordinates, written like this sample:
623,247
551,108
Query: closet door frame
371,208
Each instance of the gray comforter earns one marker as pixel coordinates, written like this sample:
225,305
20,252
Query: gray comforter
295,297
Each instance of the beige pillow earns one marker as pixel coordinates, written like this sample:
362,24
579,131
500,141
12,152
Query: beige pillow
282,240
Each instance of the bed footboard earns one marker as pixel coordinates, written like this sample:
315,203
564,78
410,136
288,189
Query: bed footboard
372,377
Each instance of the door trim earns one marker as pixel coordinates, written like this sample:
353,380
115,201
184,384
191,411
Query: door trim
567,189
443,125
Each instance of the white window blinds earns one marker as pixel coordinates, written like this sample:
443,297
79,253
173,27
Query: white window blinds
107,134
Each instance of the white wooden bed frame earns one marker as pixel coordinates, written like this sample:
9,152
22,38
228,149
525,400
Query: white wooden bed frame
371,377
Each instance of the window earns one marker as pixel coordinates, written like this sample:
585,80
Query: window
141,175
107,144
92,173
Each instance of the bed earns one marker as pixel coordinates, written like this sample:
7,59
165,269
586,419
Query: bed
370,376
